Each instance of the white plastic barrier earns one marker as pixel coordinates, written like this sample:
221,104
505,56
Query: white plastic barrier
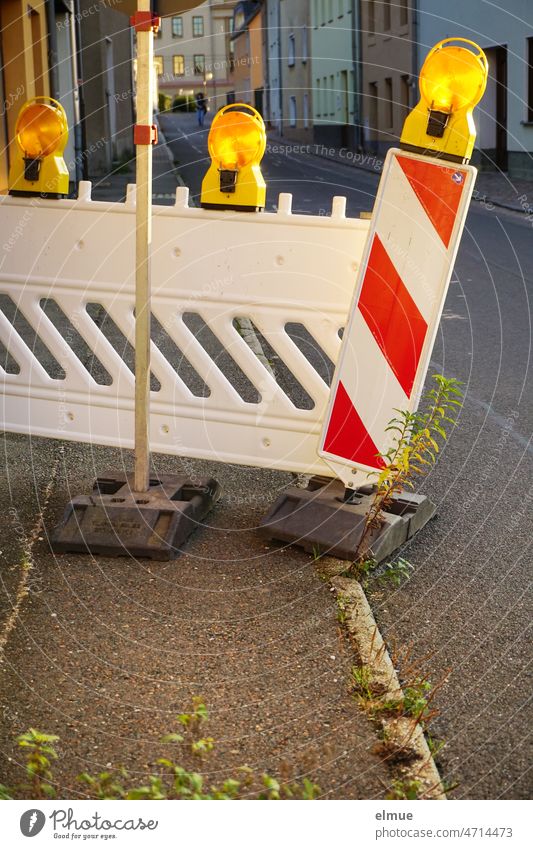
67,309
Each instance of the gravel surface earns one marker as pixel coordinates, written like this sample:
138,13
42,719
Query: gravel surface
107,652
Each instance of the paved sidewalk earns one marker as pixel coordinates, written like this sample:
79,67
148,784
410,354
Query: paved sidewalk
105,652
501,190
496,189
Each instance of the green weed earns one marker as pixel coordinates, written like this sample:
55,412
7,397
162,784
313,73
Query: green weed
404,789
362,686
414,450
39,754
173,778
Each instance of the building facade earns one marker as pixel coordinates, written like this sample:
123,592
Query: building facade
388,86
194,53
249,58
334,36
106,45
296,89
504,118
24,70
79,53
274,67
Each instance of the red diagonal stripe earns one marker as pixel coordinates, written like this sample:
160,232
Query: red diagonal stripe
438,190
347,436
392,316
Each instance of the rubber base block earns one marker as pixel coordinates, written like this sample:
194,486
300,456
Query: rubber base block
326,519
115,521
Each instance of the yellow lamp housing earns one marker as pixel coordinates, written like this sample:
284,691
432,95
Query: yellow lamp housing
236,143
41,134
452,82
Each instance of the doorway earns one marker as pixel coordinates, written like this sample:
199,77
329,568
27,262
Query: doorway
501,108
491,117
110,99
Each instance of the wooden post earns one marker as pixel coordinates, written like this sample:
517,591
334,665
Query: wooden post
143,246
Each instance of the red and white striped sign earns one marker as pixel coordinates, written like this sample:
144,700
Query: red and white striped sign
417,224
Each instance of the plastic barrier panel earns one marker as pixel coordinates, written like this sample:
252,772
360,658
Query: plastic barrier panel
246,314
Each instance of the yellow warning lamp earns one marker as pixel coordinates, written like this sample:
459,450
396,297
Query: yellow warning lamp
41,134
237,143
452,81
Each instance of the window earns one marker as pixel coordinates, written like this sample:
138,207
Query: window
199,64
371,17
293,111
386,15
405,89
332,95
158,65
177,27
404,12
318,99
306,110
388,102
530,79
197,26
178,63
330,11
292,50
38,70
340,11
305,45
373,108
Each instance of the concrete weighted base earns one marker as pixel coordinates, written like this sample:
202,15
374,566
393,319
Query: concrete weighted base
116,521
328,519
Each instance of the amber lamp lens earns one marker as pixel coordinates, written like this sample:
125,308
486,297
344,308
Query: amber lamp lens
451,79
39,130
236,140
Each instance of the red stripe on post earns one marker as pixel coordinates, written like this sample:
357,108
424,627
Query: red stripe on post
438,189
392,316
347,437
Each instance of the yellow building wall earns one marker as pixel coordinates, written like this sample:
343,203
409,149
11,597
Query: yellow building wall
256,54
24,51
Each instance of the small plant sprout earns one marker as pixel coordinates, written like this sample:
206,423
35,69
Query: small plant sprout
395,573
172,779
342,606
414,450
40,752
404,790
435,745
362,685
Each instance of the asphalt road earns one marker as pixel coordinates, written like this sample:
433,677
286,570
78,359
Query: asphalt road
467,608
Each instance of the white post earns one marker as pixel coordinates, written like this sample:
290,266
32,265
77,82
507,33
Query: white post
143,246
